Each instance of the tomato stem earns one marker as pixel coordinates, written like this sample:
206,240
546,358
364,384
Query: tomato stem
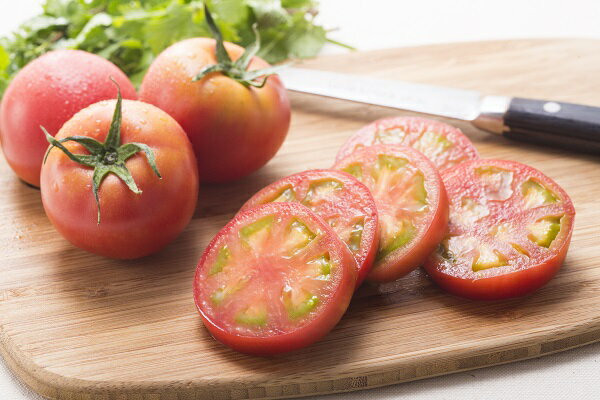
237,70
108,157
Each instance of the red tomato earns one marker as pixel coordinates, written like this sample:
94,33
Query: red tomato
342,201
510,228
48,92
411,202
274,279
132,225
443,144
234,129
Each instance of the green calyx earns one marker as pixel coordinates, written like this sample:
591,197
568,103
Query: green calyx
108,157
237,70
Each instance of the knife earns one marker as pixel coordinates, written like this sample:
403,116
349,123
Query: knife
564,125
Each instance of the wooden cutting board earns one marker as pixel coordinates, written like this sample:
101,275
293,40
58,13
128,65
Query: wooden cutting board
78,326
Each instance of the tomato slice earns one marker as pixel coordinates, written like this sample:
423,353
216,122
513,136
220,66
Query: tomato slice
509,231
411,202
275,279
341,200
443,144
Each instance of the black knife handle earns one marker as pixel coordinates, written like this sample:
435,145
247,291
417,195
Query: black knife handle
565,125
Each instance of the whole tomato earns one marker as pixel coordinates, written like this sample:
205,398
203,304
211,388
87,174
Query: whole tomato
48,92
234,125
127,188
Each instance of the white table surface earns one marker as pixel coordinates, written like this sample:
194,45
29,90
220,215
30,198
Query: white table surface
373,24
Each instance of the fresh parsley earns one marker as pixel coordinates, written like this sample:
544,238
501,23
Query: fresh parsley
130,33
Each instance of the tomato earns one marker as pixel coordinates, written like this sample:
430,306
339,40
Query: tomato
443,144
274,279
234,129
134,223
48,92
342,201
510,228
411,202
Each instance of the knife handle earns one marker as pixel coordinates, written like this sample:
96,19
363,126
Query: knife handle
565,125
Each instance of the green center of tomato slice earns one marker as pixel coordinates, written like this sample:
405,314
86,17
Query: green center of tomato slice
298,306
322,190
497,182
354,170
271,275
223,258
396,233
399,191
393,135
510,240
544,231
286,194
488,257
535,194
432,144
325,197
356,233
255,234
254,316
298,237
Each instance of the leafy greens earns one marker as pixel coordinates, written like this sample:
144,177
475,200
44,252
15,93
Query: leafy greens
130,33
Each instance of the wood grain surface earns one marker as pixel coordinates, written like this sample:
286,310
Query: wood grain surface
78,326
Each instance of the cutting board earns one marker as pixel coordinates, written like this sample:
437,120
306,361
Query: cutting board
78,326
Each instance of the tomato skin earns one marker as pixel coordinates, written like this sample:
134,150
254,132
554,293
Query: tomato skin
361,197
234,129
132,225
48,92
503,282
413,127
306,334
499,287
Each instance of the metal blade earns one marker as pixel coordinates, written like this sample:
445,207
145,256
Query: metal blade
426,99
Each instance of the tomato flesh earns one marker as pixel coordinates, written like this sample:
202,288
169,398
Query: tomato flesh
509,231
443,144
411,202
341,200
275,279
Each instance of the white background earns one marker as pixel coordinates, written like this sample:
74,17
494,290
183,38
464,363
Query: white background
376,24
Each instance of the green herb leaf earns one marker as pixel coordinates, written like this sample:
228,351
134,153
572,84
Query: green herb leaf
131,33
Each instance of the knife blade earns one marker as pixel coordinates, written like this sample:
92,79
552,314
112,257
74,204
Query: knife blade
566,125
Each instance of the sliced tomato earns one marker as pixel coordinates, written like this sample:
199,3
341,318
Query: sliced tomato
411,202
509,231
341,200
275,279
443,144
